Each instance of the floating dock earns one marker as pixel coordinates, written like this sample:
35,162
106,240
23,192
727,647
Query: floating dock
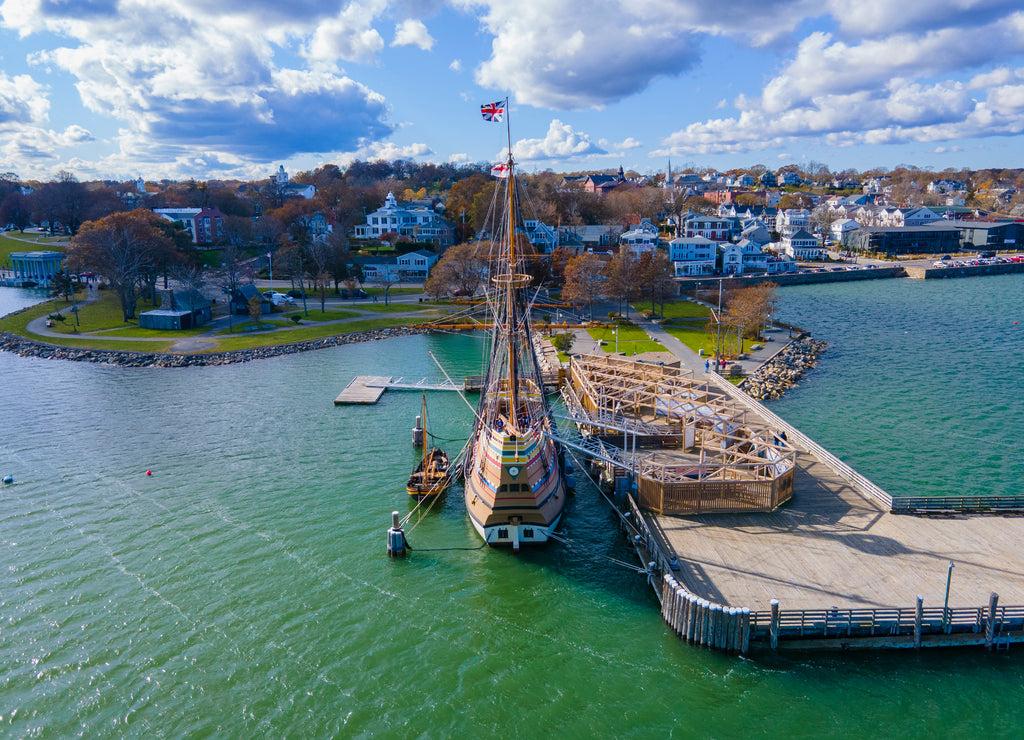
840,565
363,389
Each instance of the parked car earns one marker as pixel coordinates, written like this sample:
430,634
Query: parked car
278,299
296,293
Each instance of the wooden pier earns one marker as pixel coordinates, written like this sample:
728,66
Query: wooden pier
840,565
363,389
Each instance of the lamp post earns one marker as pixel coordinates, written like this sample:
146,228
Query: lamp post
945,604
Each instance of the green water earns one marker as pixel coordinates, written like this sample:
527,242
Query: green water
242,590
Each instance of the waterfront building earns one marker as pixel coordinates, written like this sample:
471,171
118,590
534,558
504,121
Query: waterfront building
991,234
692,255
933,239
37,267
802,245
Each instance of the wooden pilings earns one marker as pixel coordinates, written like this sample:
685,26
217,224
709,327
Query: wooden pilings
703,622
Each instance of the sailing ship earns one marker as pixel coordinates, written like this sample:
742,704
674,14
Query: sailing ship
514,487
432,474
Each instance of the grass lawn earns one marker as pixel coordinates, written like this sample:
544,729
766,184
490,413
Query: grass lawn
15,323
677,309
698,339
393,291
28,243
398,307
242,326
318,315
103,314
140,346
139,333
632,339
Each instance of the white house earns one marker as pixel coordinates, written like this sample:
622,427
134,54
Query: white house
732,258
416,222
641,238
802,245
842,228
792,220
417,264
692,255
753,258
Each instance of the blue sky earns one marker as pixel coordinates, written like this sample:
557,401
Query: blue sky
233,88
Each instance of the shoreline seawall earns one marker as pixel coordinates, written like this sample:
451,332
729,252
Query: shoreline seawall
31,348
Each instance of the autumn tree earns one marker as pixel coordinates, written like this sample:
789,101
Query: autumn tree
795,200
656,279
700,204
623,278
751,307
461,270
121,248
584,280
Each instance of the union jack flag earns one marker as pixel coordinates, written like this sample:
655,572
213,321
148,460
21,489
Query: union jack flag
493,111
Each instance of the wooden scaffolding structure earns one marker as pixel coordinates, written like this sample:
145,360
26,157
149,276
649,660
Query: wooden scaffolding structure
690,447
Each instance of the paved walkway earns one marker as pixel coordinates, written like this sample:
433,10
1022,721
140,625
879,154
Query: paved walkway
206,341
775,340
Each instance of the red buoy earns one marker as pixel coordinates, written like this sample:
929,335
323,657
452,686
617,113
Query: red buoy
149,472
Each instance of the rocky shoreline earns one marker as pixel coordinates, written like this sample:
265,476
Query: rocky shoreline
784,370
31,348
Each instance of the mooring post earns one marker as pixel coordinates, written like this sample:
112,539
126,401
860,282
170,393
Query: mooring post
918,617
990,628
396,537
773,629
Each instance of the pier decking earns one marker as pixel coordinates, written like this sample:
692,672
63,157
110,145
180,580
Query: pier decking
835,566
363,389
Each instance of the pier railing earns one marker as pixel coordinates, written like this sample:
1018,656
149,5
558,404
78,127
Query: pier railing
956,504
795,435
989,625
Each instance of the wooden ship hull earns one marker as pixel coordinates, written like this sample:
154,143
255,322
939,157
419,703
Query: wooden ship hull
515,494
431,477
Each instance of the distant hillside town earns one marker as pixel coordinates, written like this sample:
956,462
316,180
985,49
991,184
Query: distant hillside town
394,221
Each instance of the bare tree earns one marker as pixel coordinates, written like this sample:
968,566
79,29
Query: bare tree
121,247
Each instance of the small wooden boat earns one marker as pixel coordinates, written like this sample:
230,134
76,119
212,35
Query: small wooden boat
432,475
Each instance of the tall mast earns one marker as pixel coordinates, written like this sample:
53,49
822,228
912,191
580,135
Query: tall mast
513,373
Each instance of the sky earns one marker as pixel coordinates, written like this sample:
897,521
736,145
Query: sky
209,89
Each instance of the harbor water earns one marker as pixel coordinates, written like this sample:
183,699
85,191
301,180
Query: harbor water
201,551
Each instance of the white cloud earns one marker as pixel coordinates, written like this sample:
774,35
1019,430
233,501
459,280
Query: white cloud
628,143
568,54
895,89
22,101
201,79
411,32
561,142
456,65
